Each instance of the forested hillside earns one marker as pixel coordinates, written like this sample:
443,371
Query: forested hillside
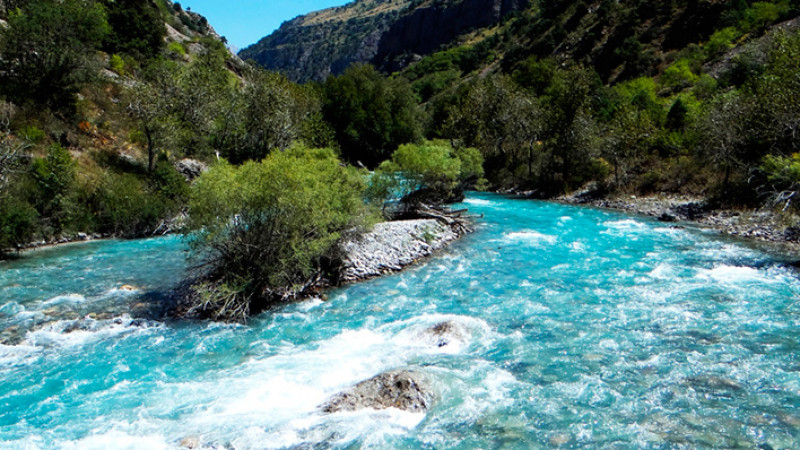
104,101
676,96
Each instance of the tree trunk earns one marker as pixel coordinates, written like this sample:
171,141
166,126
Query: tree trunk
151,151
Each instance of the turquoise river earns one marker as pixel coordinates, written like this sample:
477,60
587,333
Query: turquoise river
579,328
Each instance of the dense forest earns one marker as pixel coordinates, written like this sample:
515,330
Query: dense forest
111,110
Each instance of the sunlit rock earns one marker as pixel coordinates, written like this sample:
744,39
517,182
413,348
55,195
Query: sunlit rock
404,390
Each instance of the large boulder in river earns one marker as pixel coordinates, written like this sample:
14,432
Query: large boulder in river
402,389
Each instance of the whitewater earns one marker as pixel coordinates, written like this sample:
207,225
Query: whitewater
578,327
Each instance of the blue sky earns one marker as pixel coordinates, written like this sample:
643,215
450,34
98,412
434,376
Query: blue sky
244,22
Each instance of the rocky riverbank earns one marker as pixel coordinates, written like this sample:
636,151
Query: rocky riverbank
390,246
761,225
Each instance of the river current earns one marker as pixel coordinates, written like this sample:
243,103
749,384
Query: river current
578,327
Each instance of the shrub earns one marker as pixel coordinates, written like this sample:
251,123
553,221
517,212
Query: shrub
33,134
266,230
678,75
54,176
117,64
126,208
177,48
17,222
433,171
721,41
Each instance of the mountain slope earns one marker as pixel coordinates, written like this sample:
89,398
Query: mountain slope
387,33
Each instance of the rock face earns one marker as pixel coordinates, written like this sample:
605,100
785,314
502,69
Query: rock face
404,390
425,29
393,245
386,33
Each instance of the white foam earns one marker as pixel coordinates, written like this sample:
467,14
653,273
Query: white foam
663,271
57,334
477,202
16,355
118,440
735,275
122,291
68,298
530,237
623,227
577,246
416,335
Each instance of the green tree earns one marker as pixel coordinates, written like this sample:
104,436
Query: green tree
152,105
266,230
54,176
570,127
502,120
783,176
371,114
47,51
137,28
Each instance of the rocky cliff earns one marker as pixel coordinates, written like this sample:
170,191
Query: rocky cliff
387,33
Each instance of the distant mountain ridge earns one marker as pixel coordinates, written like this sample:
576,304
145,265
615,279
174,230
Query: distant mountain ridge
387,33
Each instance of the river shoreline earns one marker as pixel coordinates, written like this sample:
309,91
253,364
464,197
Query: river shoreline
759,225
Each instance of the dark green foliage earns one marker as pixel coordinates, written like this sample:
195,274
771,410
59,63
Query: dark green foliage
676,118
54,177
137,28
126,208
371,115
167,183
47,51
17,222
535,74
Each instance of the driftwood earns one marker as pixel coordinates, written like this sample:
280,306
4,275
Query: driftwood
454,219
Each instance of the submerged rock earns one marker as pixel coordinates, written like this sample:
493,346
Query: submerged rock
444,333
403,389
714,383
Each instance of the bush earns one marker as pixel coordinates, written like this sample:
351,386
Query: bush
126,208
266,230
33,134
177,48
433,171
54,176
17,222
117,64
678,75
783,176
721,41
